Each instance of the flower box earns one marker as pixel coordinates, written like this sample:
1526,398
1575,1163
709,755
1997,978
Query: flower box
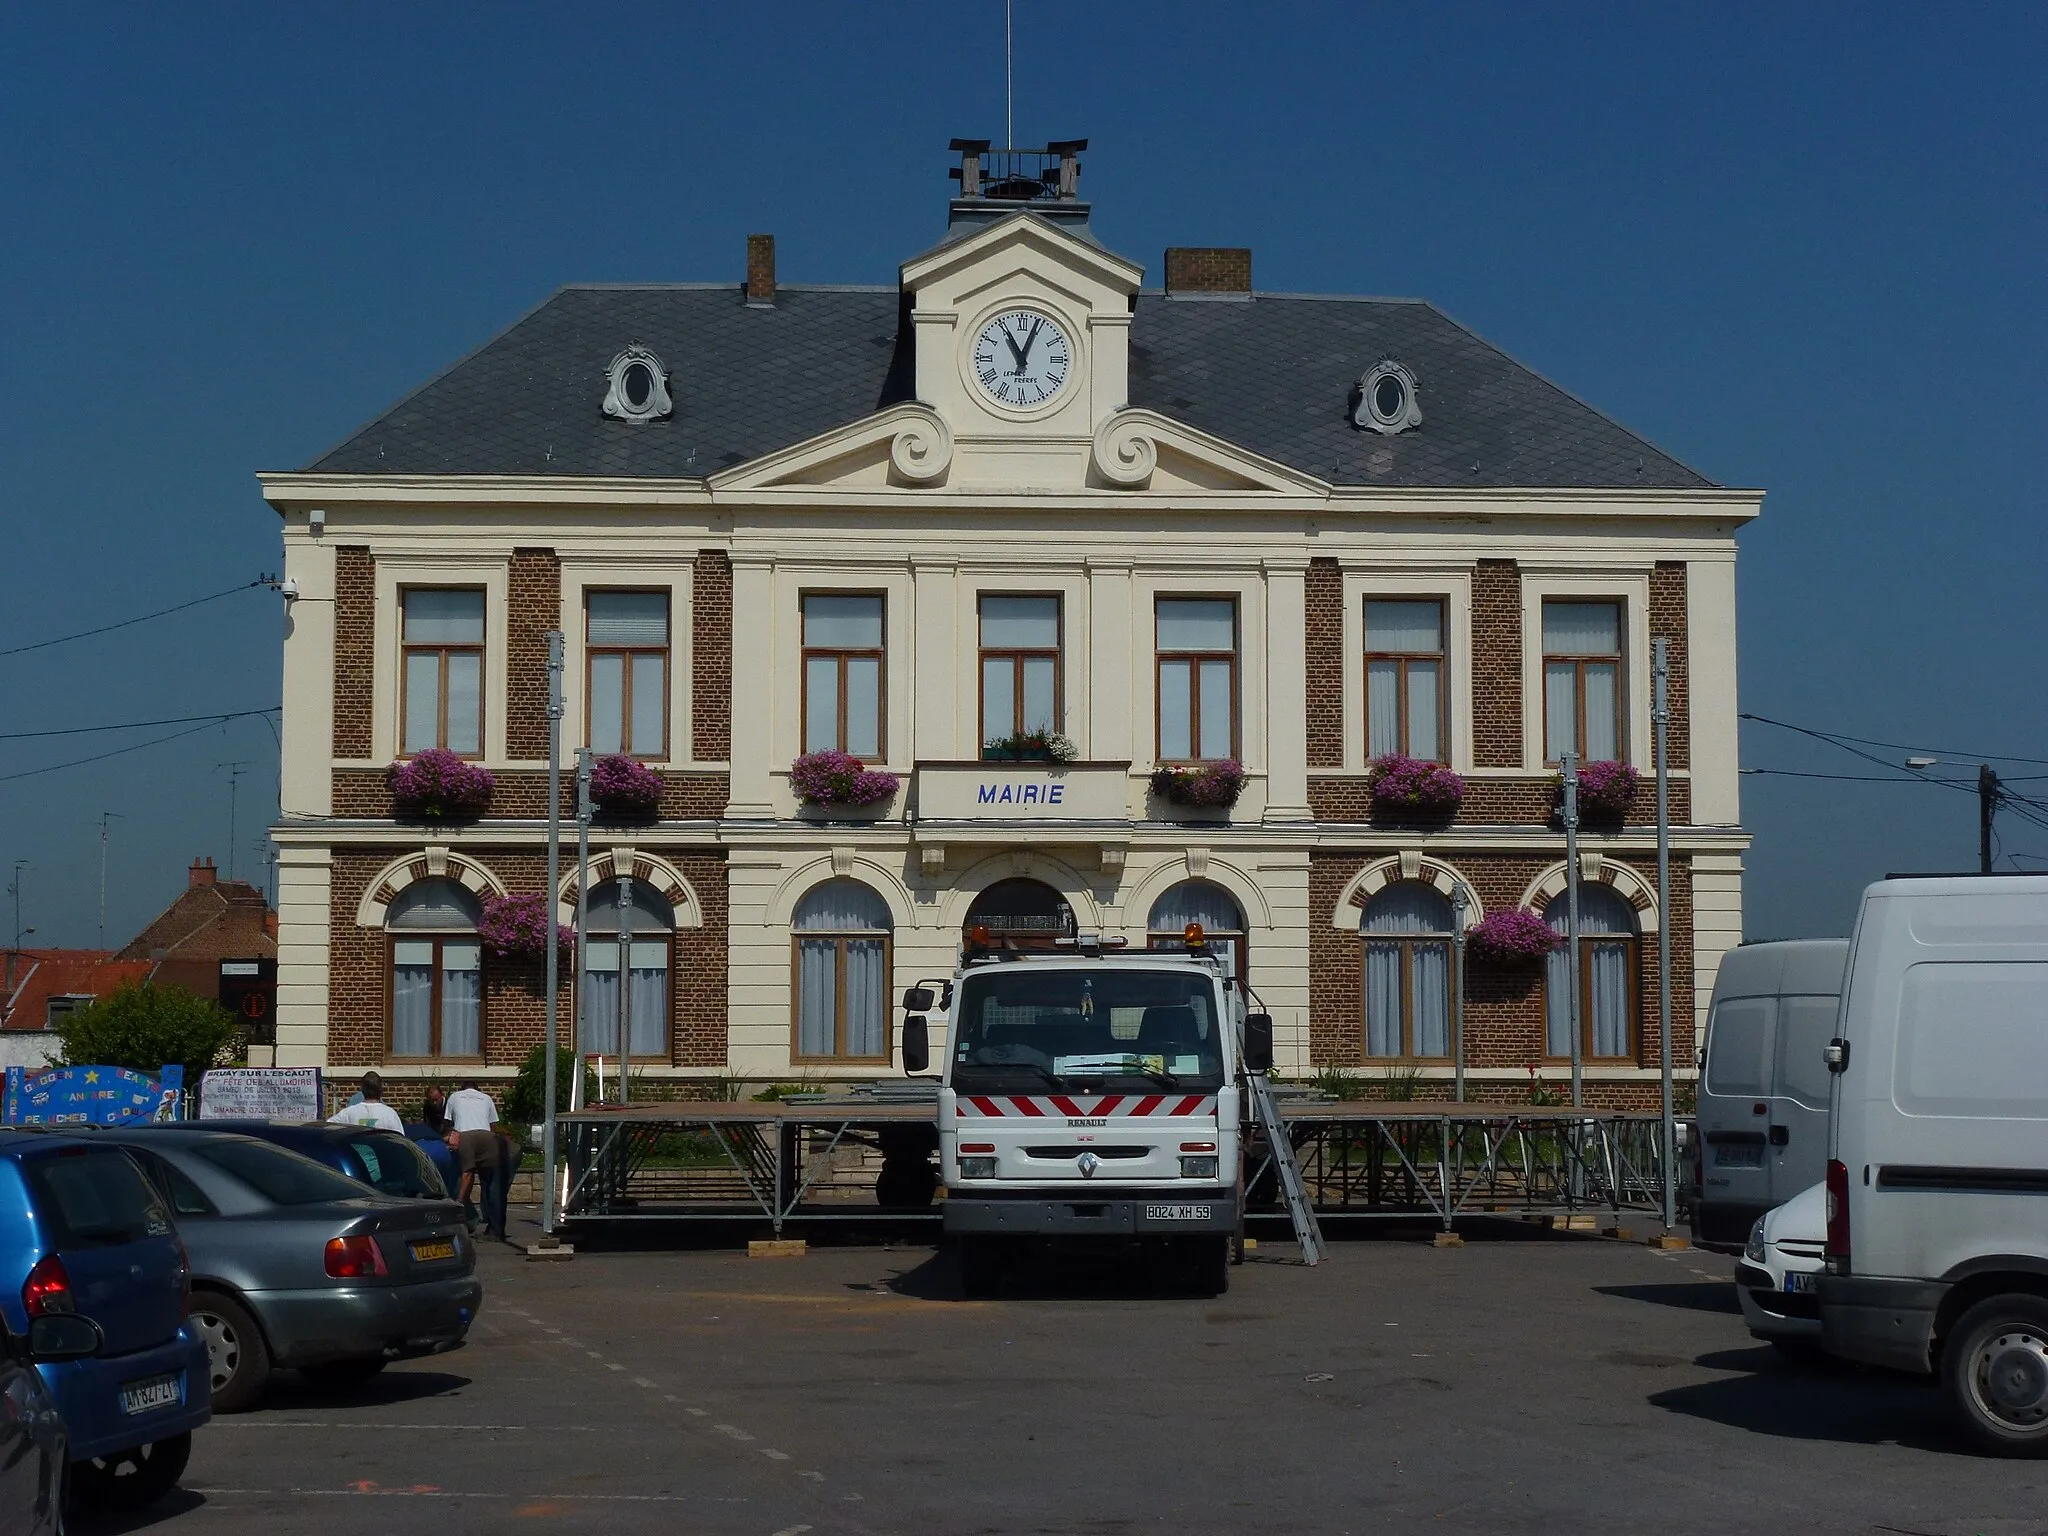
839,778
438,783
1414,785
516,928
1029,747
1607,789
625,786
1206,784
1511,937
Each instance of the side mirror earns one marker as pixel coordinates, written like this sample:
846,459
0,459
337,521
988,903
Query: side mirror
917,1046
1258,1042
63,1336
918,1000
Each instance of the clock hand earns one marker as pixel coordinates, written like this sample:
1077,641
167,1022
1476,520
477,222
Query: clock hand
1011,342
1030,337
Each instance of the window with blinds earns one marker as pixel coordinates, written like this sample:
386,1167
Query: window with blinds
626,642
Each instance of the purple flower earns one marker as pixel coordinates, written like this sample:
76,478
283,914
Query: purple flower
1217,784
516,927
438,783
1413,783
1606,788
1512,937
839,778
621,783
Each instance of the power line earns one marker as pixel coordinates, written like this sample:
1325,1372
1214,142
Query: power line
1837,738
77,762
1849,778
138,725
83,634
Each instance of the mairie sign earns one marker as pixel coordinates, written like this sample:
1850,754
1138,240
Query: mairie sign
91,1096
1023,791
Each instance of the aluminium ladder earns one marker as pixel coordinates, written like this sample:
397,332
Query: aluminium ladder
1307,1232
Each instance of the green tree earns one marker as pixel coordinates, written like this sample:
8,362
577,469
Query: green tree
144,1026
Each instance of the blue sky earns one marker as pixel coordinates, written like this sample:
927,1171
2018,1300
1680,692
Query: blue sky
1800,247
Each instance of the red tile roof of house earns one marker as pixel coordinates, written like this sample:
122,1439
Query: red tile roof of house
40,975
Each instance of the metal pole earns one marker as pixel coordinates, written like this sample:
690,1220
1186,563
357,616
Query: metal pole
556,645
1987,807
1660,712
584,811
1459,907
625,882
1570,763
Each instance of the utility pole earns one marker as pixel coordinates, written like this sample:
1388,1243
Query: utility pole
1660,712
1569,762
105,817
1987,807
234,789
585,809
556,650
14,890
1460,905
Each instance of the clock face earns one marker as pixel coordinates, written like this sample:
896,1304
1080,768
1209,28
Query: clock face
1022,359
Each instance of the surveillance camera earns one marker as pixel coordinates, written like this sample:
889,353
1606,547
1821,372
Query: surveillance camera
290,588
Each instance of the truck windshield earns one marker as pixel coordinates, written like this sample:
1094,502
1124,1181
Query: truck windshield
1022,1029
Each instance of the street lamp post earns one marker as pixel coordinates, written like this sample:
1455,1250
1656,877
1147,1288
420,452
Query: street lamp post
556,648
1460,905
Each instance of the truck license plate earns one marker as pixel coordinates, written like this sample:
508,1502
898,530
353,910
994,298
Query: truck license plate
148,1396
1738,1157
1176,1213
1800,1282
426,1253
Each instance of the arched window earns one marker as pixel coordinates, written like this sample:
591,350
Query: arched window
841,962
437,972
1026,912
1204,902
1607,976
644,925
1408,980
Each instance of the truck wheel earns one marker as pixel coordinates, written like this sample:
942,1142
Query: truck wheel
1212,1265
1994,1367
132,1479
238,1360
981,1266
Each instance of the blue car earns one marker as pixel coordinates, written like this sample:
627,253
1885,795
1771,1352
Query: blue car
84,1236
384,1160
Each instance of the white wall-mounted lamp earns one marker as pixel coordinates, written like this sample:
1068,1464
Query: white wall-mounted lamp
316,521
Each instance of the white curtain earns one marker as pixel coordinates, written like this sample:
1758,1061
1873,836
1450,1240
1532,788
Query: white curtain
1195,901
462,997
1560,709
821,704
1408,908
1216,711
842,906
465,701
864,707
1557,994
1176,712
1383,707
1038,694
412,997
1609,965
1431,992
648,979
1603,914
422,701
998,698
817,997
867,997
1581,629
1382,999
601,1015
1600,712
607,703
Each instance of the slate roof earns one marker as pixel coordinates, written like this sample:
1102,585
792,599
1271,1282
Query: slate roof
1274,375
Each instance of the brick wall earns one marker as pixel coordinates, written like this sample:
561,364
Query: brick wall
515,991
534,606
1504,1020
1208,269
1324,645
1487,802
1668,617
1497,664
523,792
355,649
711,659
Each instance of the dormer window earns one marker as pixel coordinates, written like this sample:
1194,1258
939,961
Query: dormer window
1387,401
638,387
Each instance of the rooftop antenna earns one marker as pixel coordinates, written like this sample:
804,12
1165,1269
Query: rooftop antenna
105,817
234,787
1009,84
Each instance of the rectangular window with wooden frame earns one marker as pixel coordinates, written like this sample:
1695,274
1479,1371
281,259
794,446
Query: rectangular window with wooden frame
437,997
1196,708
1020,667
1582,694
843,673
442,637
1406,704
626,646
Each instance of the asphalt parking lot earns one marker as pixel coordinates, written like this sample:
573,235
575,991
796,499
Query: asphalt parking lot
1510,1385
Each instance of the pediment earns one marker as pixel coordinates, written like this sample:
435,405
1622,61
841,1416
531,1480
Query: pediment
912,448
1025,238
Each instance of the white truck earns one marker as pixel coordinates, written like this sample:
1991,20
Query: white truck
1091,1096
1937,1176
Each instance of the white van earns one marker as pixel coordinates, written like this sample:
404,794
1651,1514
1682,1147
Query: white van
1937,1175
1763,1094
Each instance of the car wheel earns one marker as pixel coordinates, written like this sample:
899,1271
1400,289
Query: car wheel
1994,1367
343,1373
132,1479
238,1361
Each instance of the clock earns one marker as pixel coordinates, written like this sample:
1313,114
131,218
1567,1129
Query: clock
1022,359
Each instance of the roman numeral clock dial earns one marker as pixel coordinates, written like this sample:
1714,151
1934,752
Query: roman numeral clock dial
1022,359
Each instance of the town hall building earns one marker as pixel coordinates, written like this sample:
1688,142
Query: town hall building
1033,594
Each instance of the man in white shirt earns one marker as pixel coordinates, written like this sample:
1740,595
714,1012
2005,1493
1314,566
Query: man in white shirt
472,1114
372,1111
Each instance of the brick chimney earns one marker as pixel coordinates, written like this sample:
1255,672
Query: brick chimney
760,269
1209,271
202,873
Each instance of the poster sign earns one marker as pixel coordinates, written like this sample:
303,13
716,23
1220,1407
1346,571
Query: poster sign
260,1093
248,990
92,1096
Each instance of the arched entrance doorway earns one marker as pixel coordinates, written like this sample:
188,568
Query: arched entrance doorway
1019,914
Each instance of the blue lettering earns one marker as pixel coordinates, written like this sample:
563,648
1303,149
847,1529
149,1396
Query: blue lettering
1009,794
1030,794
987,795
1053,792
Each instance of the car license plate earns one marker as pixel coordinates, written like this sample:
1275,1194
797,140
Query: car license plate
148,1396
427,1253
1800,1282
1176,1213
1738,1157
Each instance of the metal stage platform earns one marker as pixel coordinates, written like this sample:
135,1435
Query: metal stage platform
821,1161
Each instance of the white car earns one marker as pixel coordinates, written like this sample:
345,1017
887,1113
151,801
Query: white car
1775,1280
